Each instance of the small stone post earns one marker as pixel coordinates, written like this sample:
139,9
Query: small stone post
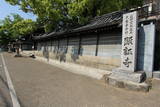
17,49
9,48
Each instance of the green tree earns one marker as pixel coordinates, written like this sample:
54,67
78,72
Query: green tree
49,12
24,27
14,26
82,10
6,31
61,14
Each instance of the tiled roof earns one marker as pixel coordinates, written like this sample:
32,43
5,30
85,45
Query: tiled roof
97,22
102,21
40,36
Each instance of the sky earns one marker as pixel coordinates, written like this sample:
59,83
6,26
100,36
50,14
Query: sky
6,9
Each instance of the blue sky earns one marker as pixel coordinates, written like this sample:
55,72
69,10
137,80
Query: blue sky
7,9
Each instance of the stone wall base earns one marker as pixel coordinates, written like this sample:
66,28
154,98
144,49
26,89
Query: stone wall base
123,75
129,80
97,62
156,74
143,87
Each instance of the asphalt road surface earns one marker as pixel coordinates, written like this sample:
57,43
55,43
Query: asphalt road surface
41,85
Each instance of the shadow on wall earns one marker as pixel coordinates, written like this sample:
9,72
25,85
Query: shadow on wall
60,54
75,53
46,53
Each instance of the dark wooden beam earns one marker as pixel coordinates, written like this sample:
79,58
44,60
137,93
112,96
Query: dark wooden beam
97,44
79,49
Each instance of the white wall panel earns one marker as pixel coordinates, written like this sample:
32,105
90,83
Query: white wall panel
110,45
73,45
54,45
63,45
88,45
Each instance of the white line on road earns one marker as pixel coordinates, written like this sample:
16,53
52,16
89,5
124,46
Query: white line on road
10,85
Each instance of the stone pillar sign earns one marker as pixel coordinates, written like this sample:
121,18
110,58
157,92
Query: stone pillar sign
129,41
127,74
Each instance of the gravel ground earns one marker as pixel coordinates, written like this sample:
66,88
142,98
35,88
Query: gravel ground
41,85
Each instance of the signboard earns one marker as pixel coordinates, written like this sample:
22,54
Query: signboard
129,41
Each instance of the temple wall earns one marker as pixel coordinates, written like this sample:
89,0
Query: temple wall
105,63
95,50
103,50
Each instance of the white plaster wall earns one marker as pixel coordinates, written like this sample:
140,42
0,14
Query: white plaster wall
63,45
73,45
54,45
109,45
88,45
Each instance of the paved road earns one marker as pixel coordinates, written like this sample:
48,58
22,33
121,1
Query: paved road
5,99
40,85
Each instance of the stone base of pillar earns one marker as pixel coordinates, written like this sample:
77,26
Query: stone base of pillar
123,75
129,80
156,74
18,55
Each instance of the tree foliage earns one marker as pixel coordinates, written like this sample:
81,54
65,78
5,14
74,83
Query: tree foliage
15,26
24,27
6,31
59,14
49,12
86,9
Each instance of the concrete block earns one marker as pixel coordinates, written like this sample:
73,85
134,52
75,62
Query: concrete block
143,87
128,80
156,74
136,86
128,76
114,82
